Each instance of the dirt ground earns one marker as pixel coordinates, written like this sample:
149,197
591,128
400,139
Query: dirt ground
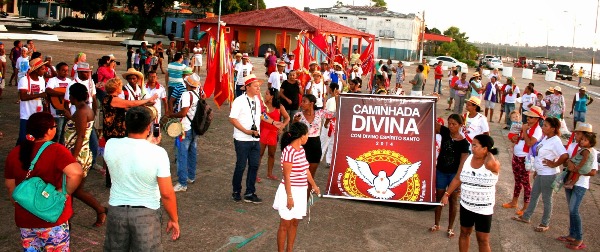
211,221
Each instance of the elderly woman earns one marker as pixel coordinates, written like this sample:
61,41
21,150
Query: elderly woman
531,133
54,164
557,104
114,112
549,154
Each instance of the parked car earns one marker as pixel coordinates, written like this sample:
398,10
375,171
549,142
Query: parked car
563,72
449,62
494,63
541,69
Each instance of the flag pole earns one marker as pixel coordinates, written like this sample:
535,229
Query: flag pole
219,21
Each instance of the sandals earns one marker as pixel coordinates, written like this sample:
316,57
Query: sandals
519,213
509,205
576,247
520,219
565,238
258,180
450,233
540,228
434,228
101,218
272,177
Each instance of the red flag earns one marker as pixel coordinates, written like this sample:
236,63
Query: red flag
211,64
320,41
223,83
367,57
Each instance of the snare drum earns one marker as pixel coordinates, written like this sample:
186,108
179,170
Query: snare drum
173,127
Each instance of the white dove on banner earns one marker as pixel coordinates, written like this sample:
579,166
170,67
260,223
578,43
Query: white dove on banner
381,184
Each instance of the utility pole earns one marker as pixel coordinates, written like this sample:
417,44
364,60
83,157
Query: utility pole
423,36
593,48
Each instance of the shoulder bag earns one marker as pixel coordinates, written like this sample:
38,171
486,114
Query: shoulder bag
38,197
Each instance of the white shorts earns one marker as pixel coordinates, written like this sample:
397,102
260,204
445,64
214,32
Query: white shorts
198,60
416,93
489,104
299,193
3,58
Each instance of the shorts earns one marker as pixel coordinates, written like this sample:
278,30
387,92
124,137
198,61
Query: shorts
443,180
579,116
313,150
482,223
489,104
299,194
42,239
452,94
3,58
135,229
416,93
268,137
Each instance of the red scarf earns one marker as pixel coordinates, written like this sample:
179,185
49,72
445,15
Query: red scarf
530,134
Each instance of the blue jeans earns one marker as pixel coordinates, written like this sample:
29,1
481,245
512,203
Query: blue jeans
443,180
186,158
579,116
508,108
22,130
247,152
60,133
94,145
238,90
574,198
437,86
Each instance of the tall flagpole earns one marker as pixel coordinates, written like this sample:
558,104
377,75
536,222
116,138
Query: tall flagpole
595,44
219,22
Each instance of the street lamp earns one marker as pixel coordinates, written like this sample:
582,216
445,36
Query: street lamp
574,27
594,47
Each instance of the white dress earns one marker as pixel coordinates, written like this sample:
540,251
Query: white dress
197,56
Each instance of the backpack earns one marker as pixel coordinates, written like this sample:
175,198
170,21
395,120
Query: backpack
202,117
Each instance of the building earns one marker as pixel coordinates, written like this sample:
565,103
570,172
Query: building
396,34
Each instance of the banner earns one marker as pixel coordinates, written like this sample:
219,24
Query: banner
395,160
211,64
224,84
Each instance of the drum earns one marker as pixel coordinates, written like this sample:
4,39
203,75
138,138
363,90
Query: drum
153,111
173,127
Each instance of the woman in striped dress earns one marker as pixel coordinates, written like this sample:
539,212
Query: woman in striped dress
291,196
477,181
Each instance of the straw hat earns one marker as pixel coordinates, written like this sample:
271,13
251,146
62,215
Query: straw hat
550,89
583,88
475,101
131,71
245,55
84,67
251,78
316,73
281,63
534,111
557,88
313,63
238,55
36,63
111,56
583,127
324,62
151,51
192,80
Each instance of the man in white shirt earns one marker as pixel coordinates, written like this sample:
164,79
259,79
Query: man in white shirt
278,76
141,179
326,72
31,92
527,100
56,87
241,71
153,87
245,116
22,64
289,62
132,90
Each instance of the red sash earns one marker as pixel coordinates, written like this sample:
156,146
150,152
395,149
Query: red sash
465,130
530,134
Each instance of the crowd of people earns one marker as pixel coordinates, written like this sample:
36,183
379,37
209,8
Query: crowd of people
78,110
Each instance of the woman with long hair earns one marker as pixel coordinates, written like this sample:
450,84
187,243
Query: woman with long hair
268,132
549,154
54,164
77,139
454,150
477,179
290,199
312,118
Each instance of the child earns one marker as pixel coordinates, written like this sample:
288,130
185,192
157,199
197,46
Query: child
154,62
583,160
381,85
516,126
136,60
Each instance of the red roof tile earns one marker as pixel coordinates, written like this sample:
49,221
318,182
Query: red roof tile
436,37
284,18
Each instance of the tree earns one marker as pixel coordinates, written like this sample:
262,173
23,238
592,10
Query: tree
116,21
232,6
89,8
379,3
435,31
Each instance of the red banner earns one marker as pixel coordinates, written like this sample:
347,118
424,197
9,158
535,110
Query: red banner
395,160
223,84
211,64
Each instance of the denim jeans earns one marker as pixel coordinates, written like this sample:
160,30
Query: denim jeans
186,158
247,152
94,145
574,198
22,130
542,184
60,130
438,86
508,107
238,90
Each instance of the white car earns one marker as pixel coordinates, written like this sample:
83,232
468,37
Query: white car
494,63
449,62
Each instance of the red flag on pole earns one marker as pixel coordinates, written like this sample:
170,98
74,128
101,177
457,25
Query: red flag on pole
367,57
223,83
211,64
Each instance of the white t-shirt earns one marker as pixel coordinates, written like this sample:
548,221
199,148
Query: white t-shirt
326,76
289,67
584,181
475,126
318,90
162,94
511,98
518,149
551,149
241,109
132,95
276,79
197,50
55,82
135,166
184,102
527,99
89,84
28,108
242,71
22,66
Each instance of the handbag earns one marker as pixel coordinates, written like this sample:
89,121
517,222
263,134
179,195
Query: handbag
41,198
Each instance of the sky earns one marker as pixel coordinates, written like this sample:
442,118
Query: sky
540,22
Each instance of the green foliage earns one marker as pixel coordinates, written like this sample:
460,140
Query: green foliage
233,6
459,48
435,31
89,8
379,3
470,63
116,21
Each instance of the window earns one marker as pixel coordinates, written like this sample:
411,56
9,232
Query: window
388,20
173,27
362,18
386,33
322,15
342,17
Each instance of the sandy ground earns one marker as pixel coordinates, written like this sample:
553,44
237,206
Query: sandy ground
211,221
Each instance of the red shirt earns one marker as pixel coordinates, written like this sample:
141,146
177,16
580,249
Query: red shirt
438,72
49,167
105,73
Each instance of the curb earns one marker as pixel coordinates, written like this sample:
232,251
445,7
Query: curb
597,95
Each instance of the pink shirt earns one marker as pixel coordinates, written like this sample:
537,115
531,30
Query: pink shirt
298,175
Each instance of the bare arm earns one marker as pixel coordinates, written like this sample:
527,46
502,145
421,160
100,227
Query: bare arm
281,95
74,176
181,114
80,118
122,103
239,126
286,116
287,169
167,196
24,96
